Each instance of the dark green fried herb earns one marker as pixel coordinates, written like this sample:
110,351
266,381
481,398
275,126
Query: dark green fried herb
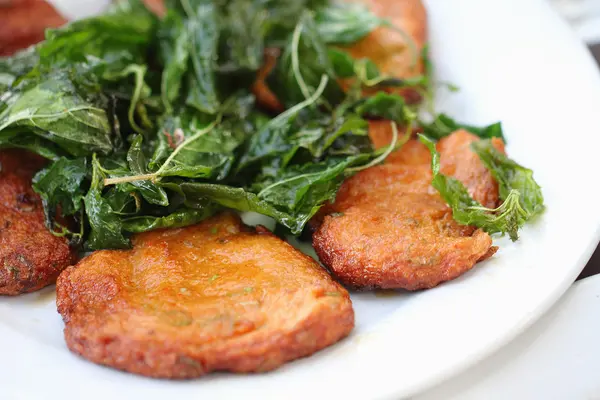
443,125
57,110
305,60
386,106
345,24
202,24
106,225
510,177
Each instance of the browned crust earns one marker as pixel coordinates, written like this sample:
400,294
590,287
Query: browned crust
30,256
301,316
23,23
381,260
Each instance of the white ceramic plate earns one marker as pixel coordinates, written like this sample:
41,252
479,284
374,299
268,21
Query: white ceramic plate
515,61
563,343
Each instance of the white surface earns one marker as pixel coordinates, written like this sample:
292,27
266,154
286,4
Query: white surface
557,358
73,9
583,16
526,69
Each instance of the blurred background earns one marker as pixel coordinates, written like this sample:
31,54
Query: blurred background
583,16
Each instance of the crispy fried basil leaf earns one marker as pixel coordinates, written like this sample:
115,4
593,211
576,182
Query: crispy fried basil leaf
202,25
291,198
283,15
122,36
174,49
342,63
506,219
385,106
32,142
511,176
245,26
279,141
325,135
345,23
234,198
12,68
210,155
305,46
106,226
444,125
178,219
59,111
304,188
137,161
62,183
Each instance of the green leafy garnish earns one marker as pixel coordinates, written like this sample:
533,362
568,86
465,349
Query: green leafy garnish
345,24
386,106
152,123
443,126
510,177
506,219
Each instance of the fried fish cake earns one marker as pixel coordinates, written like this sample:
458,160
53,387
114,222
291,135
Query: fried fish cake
23,23
388,227
397,51
30,256
217,296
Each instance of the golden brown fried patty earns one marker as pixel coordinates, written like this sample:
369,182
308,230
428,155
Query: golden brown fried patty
389,228
23,23
217,296
396,54
30,256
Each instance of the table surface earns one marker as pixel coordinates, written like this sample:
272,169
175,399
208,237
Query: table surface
593,266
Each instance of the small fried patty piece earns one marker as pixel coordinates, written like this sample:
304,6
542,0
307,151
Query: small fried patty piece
388,228
30,256
217,296
23,23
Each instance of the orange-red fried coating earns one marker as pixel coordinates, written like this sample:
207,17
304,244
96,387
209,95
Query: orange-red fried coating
396,54
217,296
388,228
30,256
23,23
